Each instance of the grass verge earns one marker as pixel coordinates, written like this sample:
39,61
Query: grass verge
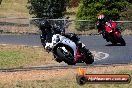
14,56
62,78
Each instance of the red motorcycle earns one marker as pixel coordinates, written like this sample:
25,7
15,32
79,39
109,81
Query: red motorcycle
113,34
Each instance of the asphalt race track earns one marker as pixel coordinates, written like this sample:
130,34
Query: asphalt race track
117,54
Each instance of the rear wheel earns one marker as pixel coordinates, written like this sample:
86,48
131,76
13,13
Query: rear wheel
89,58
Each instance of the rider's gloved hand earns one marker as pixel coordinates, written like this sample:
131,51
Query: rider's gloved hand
48,49
100,32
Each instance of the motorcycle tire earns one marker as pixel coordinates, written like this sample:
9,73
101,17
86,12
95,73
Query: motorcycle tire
67,59
112,39
69,62
57,59
121,40
89,57
113,42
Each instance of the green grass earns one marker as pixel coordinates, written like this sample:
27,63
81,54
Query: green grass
19,56
68,82
13,56
11,59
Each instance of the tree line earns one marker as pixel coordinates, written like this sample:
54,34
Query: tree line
88,9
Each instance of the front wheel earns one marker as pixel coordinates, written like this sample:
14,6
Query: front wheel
69,59
112,38
121,40
57,59
67,56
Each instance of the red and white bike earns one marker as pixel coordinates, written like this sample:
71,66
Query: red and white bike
113,34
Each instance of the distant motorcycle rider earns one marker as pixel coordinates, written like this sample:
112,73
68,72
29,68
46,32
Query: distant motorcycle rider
102,21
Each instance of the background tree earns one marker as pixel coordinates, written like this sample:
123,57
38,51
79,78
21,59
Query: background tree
89,9
47,8
0,2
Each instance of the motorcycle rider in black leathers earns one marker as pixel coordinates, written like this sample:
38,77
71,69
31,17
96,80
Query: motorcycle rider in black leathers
48,31
101,26
46,35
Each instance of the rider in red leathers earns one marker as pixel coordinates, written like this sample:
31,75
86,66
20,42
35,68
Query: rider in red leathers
102,21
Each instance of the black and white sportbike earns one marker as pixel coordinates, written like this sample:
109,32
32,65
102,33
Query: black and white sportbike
65,49
68,48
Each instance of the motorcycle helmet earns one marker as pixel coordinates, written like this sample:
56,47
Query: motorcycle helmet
62,31
102,18
45,26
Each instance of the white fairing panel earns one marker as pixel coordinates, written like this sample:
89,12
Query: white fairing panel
49,45
54,38
63,40
68,42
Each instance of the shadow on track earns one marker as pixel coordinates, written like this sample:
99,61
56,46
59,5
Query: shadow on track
114,45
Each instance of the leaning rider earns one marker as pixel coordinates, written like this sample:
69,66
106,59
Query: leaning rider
45,28
102,20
